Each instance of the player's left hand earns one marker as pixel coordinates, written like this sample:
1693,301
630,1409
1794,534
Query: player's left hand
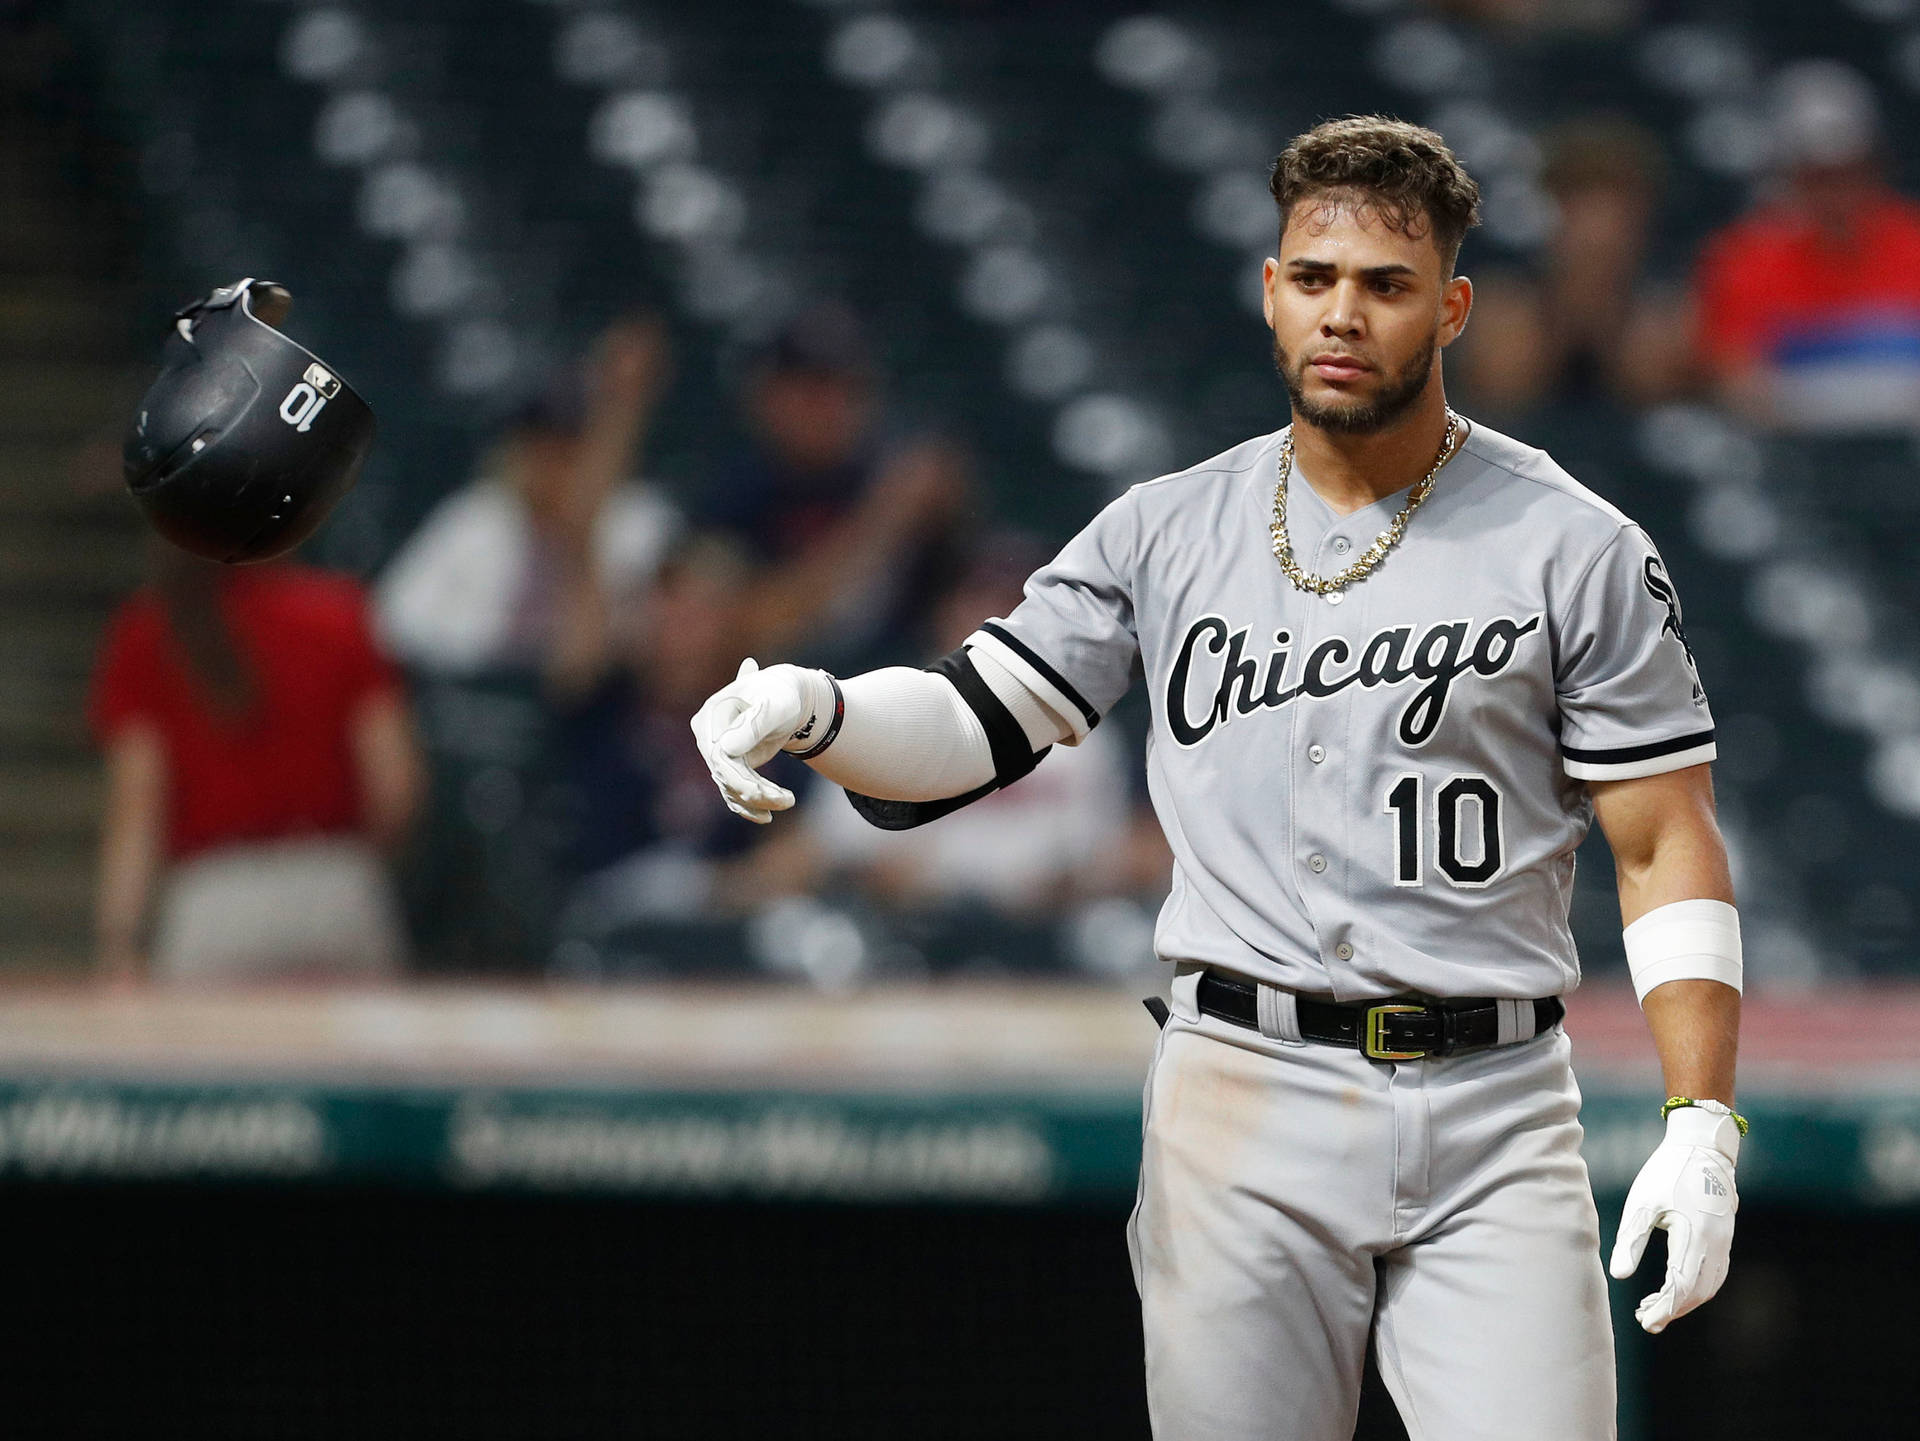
1686,1189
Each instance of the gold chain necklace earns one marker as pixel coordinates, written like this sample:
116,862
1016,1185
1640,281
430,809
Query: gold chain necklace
1382,543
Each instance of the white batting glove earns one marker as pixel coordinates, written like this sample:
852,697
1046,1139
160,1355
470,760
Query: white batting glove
1686,1189
744,725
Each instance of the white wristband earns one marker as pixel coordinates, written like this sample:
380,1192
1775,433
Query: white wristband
825,708
1684,941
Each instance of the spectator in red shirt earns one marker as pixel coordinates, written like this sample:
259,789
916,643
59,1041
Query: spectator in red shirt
1809,307
259,755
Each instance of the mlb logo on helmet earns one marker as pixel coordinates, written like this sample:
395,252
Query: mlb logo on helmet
223,468
305,400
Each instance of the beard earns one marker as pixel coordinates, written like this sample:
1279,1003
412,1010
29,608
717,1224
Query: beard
1359,417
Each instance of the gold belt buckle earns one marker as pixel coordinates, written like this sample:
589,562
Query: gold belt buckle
1376,1032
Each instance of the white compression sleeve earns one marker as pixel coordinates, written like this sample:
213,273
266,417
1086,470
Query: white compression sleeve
1684,940
906,736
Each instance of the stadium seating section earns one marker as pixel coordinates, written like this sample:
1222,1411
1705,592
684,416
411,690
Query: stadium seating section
1052,214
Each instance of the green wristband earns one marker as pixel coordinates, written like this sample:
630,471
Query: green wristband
1674,1103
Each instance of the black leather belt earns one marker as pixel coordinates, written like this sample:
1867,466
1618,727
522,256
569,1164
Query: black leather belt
1386,1031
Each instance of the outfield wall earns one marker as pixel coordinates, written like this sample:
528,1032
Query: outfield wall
705,1213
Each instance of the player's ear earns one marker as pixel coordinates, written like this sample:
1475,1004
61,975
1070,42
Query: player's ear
1456,303
1268,273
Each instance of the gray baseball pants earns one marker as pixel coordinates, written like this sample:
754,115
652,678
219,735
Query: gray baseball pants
1296,1198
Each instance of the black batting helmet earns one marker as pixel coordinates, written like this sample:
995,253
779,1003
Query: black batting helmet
246,440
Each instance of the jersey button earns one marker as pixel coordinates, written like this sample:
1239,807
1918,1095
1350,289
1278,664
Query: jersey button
1316,863
1343,951
1342,545
1334,597
1316,754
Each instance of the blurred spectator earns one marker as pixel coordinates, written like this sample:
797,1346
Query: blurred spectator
1067,831
1590,325
479,585
851,536
646,834
1591,17
1809,307
259,758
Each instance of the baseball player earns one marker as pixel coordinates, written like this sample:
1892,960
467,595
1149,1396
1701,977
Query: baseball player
1397,664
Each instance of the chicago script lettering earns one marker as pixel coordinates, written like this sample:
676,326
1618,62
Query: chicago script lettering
1203,694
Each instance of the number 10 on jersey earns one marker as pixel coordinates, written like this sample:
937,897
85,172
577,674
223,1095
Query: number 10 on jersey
1465,830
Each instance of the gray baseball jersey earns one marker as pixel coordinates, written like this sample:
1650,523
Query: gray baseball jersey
1378,791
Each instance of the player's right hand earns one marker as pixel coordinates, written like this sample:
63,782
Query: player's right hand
743,726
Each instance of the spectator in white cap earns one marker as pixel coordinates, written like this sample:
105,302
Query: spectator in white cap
1809,306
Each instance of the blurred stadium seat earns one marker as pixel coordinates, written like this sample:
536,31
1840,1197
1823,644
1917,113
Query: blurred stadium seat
1055,218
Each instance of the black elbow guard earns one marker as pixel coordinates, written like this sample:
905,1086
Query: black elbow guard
1013,756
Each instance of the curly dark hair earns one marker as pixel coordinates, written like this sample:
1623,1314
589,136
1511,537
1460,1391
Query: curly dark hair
1403,173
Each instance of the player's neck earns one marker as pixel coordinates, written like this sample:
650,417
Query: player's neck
1351,472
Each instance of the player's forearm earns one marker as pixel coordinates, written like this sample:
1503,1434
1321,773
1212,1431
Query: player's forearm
912,739
1696,1030
910,735
904,735
1682,934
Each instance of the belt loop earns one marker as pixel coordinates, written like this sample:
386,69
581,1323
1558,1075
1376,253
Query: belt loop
1279,1013
1517,1022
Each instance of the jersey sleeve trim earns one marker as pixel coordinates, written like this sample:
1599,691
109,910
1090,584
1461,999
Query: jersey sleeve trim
1626,763
1043,679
